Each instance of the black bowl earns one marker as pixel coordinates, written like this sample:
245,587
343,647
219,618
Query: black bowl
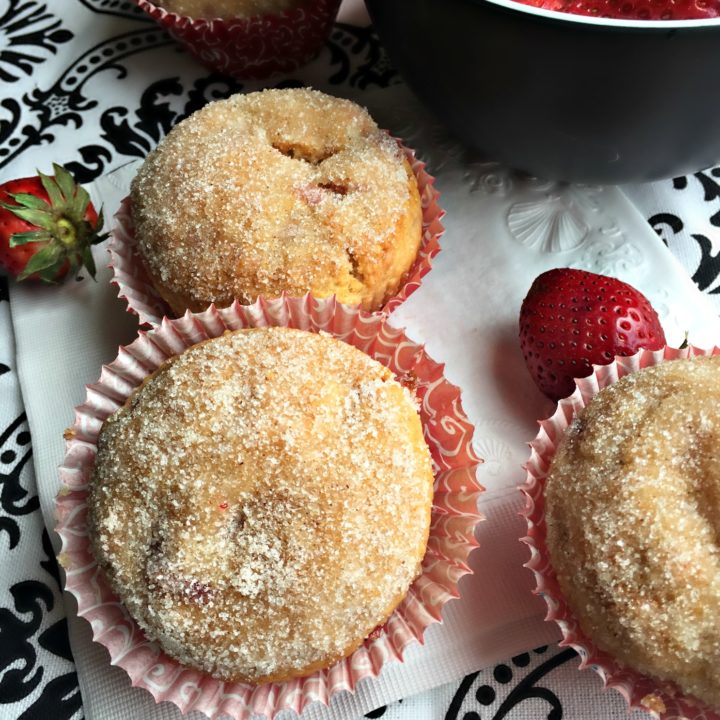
562,96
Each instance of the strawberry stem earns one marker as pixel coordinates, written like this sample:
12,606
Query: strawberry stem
66,233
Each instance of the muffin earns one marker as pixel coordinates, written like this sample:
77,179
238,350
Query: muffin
632,501
247,39
282,190
449,436
262,502
227,8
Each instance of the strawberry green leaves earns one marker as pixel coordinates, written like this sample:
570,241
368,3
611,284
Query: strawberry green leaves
47,227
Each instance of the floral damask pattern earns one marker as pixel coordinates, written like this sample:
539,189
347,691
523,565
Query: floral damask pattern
37,675
29,34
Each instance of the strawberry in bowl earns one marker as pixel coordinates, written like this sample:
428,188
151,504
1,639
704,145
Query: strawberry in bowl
562,91
635,9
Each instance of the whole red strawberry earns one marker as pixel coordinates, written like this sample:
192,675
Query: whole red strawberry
47,225
572,320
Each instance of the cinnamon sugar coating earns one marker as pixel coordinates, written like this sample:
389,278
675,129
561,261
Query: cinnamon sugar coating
280,190
227,8
262,502
633,517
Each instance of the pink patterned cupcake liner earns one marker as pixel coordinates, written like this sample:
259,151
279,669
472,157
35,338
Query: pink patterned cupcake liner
253,47
662,699
135,288
455,515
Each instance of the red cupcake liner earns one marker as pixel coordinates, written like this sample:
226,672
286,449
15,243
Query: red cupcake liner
135,288
455,515
663,699
253,47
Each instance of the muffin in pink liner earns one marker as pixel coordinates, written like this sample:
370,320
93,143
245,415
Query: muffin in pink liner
135,288
252,47
663,699
454,514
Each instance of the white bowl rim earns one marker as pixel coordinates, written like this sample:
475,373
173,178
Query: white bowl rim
571,18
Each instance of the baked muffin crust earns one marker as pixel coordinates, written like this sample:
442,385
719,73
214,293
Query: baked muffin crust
633,520
281,190
227,8
262,502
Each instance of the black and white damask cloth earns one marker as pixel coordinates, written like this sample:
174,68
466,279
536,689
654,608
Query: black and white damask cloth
93,84
37,674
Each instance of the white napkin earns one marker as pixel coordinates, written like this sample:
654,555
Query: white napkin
502,231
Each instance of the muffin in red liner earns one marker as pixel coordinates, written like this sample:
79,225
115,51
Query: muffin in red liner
252,47
663,699
135,287
454,513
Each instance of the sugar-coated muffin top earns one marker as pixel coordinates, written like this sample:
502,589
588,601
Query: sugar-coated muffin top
633,515
262,502
282,190
227,8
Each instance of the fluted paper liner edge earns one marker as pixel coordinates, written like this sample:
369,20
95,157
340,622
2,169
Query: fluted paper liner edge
253,47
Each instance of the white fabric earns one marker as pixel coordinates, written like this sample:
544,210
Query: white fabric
466,313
